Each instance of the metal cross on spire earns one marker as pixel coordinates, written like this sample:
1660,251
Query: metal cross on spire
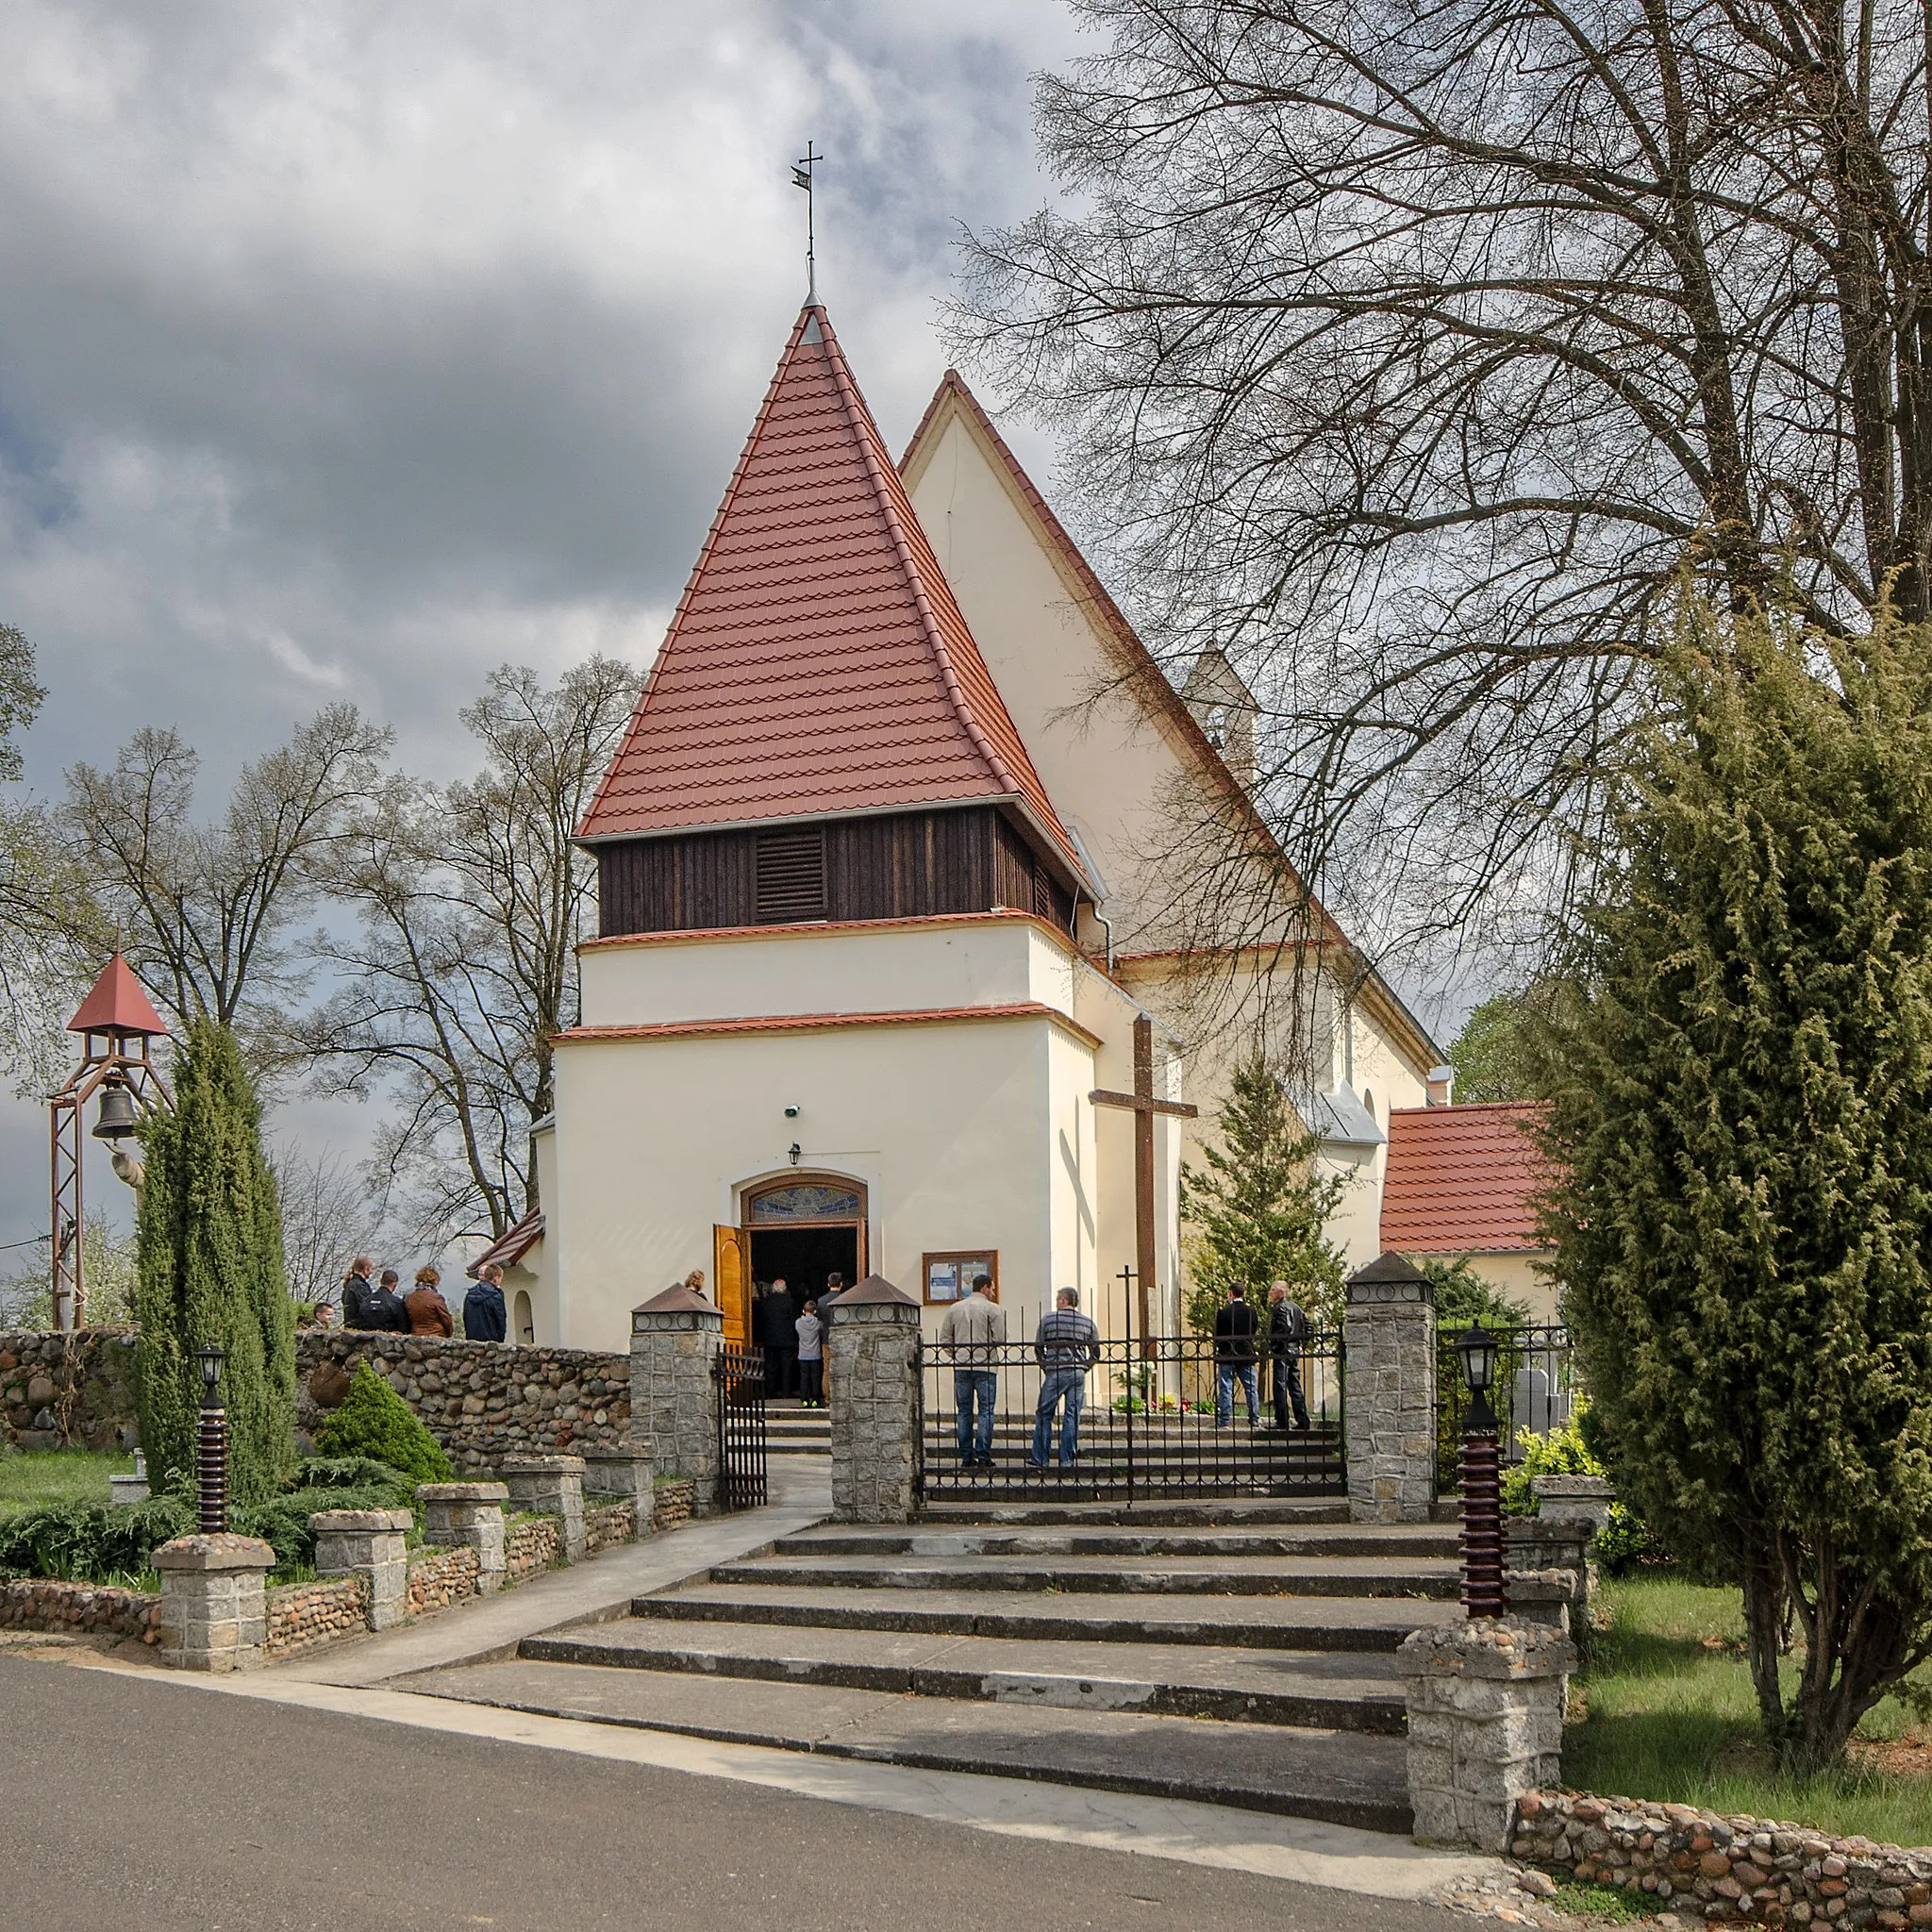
801,177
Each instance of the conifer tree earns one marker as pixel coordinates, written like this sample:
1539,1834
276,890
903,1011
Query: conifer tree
1259,1210
1742,1077
210,1270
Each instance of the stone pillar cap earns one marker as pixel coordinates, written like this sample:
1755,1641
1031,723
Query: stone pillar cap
533,1465
873,1291
616,1455
326,1520
462,1492
679,1300
1487,1647
1591,1486
226,1551
1389,1269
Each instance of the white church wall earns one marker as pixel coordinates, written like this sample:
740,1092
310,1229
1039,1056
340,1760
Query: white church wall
914,965
953,1129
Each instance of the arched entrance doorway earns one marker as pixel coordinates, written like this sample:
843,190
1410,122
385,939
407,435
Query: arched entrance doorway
805,1227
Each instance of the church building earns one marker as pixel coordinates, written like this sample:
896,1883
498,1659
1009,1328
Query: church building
906,833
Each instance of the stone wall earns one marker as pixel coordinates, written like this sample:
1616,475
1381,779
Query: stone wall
67,1392
606,1524
438,1578
43,1602
673,1501
530,1548
301,1615
483,1401
1713,1869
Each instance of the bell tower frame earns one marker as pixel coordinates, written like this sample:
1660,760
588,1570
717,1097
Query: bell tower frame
116,1023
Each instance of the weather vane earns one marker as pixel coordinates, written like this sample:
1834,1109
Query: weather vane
801,177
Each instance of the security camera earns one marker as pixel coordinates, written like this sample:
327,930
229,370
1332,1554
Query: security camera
791,1112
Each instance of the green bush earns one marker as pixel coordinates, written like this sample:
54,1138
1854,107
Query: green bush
90,1542
1567,1452
356,1473
376,1422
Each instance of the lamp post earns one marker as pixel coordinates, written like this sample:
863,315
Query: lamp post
1482,1486
211,1445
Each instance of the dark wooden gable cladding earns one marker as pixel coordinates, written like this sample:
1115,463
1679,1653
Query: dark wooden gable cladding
895,865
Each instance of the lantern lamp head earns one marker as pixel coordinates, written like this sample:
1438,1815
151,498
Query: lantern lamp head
1479,1350
209,1360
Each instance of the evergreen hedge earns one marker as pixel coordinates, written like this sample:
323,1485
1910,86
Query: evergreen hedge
211,1269
1741,1082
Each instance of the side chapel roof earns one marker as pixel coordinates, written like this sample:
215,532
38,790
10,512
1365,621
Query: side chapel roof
1463,1180
818,664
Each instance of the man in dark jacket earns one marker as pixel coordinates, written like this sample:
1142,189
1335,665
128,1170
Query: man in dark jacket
356,1292
781,1340
386,1310
1234,1354
485,1318
1287,1329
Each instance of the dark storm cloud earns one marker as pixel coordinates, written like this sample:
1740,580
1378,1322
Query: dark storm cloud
348,349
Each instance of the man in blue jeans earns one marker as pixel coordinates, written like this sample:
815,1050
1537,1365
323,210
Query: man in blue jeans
972,1334
1066,1346
1234,1354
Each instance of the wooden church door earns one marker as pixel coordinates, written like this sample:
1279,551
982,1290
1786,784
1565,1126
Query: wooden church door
734,1284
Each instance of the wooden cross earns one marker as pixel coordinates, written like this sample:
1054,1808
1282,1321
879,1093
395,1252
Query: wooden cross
1143,1106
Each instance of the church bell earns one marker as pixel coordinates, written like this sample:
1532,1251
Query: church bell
118,1117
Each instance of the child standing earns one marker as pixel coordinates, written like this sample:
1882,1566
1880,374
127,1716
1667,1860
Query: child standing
812,1357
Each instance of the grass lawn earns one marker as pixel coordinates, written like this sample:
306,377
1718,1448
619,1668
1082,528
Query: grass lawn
1670,1715
57,1476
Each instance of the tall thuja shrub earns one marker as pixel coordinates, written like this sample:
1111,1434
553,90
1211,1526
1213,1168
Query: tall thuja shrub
210,1270
1258,1211
1741,1079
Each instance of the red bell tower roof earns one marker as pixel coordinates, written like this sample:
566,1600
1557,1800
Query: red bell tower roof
118,1005
818,665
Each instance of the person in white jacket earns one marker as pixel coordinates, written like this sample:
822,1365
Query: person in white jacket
972,1333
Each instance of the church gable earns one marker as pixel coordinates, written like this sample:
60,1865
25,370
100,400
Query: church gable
818,665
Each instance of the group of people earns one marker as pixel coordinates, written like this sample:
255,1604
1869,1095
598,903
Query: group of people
793,1338
377,1303
1066,1346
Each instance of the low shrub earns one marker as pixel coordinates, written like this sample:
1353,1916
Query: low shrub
90,1542
1566,1452
373,1421
355,1472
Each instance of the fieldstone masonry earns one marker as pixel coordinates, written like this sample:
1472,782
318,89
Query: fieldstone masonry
215,1602
551,1486
467,1516
67,1392
872,1363
1389,1418
1485,1725
370,1543
676,1339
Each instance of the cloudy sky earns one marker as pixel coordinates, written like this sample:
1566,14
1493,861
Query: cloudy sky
347,350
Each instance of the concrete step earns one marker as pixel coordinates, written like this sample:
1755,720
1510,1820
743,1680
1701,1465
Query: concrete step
1243,1623
1342,1777
961,1508
946,1540
1321,1689
986,1489
1348,1577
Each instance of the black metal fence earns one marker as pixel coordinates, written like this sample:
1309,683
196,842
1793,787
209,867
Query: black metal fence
739,1373
1154,1417
1534,1390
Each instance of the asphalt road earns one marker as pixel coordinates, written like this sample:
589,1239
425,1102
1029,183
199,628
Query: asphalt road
131,1803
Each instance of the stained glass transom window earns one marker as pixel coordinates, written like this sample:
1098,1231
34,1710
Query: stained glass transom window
806,1201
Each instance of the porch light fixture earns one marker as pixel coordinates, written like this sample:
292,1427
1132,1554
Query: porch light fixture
211,1445
1483,1591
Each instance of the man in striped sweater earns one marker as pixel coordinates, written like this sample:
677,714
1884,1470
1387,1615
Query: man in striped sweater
1066,1346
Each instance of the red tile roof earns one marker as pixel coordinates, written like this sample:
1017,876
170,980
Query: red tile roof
509,1249
1462,1180
117,1003
818,663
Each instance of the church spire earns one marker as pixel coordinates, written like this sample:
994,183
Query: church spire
818,664
802,177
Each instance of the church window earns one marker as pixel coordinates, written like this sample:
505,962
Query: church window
806,1201
790,876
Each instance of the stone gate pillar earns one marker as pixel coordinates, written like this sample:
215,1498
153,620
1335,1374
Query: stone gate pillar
1389,1413
676,1338
873,1367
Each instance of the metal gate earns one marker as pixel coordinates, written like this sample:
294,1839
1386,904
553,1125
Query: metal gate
739,1373
1149,1426
1534,1390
